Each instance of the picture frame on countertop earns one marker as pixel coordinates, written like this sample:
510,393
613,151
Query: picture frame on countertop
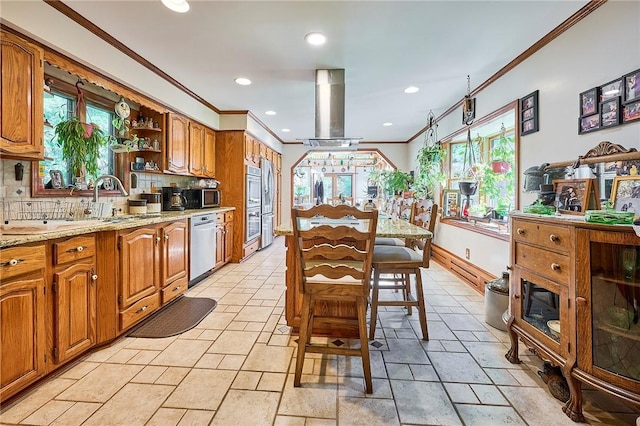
625,194
589,102
588,124
450,204
631,84
575,196
611,89
529,114
631,111
610,112
57,179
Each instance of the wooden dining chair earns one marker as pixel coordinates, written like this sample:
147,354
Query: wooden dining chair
335,264
403,262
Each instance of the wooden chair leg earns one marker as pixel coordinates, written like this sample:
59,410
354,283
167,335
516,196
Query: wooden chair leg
374,304
407,291
302,338
422,312
364,343
312,304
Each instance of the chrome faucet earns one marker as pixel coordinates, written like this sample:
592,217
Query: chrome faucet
96,184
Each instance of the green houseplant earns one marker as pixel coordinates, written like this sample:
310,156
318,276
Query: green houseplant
395,181
430,175
502,154
80,144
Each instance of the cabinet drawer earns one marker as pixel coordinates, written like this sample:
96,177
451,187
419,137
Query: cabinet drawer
16,261
251,248
219,217
174,290
551,265
139,310
553,237
74,249
228,217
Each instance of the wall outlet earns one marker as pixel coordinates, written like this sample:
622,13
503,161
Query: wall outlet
467,254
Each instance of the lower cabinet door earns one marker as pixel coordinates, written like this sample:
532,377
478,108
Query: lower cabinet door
22,334
75,307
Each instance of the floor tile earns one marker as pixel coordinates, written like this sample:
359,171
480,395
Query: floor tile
309,400
457,367
535,406
272,382
365,412
35,400
488,354
484,415
101,383
48,412
79,370
243,407
274,359
489,395
410,397
405,351
246,380
166,417
77,414
182,353
135,404
461,393
196,418
201,390
234,342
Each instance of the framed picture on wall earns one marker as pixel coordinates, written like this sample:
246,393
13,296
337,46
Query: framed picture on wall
589,102
589,123
450,204
529,114
574,196
57,180
610,112
631,111
611,89
631,83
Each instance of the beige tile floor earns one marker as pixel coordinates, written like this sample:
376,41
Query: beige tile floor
236,368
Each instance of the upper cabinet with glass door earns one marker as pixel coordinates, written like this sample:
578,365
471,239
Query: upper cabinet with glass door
21,88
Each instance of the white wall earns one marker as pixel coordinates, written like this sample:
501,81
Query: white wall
598,49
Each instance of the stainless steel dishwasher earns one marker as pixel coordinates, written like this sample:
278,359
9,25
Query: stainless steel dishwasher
203,246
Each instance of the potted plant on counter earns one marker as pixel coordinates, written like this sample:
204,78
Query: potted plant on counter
395,182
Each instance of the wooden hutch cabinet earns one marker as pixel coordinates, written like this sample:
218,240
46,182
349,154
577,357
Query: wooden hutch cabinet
21,101
582,279
177,144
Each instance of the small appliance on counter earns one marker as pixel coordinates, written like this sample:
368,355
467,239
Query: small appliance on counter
202,198
173,199
137,206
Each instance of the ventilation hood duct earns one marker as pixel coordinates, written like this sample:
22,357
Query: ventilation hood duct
330,113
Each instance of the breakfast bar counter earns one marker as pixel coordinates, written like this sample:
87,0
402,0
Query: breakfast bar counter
327,310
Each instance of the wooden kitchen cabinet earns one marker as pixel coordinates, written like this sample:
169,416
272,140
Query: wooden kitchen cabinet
175,259
196,148
209,153
23,325
139,266
224,238
572,273
21,98
177,144
74,289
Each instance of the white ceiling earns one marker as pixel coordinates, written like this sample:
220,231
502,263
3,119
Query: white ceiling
384,46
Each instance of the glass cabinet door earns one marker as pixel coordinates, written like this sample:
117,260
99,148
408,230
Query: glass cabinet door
615,299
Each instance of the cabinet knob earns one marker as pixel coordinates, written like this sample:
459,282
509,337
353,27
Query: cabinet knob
581,300
79,249
94,277
12,262
177,288
166,237
555,266
158,238
554,238
144,308
520,231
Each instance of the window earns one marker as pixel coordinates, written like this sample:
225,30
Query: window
58,106
494,163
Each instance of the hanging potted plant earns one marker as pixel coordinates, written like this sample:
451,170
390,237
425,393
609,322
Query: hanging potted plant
430,175
78,148
502,155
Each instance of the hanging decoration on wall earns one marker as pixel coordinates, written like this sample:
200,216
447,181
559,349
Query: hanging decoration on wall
468,106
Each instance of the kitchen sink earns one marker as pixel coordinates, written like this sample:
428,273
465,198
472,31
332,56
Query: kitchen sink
22,227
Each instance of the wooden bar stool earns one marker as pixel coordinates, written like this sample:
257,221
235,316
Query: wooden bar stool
403,262
335,247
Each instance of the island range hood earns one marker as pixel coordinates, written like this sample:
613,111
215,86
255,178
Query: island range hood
330,113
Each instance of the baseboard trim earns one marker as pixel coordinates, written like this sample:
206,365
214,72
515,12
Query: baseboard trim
468,272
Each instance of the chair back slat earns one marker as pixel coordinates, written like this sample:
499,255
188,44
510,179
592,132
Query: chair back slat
334,251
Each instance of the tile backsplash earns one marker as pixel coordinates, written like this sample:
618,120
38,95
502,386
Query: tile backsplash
14,190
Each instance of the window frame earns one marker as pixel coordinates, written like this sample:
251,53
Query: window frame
474,224
69,90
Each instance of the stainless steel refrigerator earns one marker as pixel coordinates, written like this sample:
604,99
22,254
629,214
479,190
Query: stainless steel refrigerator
268,195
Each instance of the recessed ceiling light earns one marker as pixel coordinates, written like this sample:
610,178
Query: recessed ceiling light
315,39
387,124
180,6
243,81
286,130
411,89
270,112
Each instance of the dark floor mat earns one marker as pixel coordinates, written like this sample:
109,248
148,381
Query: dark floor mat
182,315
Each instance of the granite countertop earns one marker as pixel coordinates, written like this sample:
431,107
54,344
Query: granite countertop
37,231
392,228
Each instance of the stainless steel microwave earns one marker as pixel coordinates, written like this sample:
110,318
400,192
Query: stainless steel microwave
202,198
